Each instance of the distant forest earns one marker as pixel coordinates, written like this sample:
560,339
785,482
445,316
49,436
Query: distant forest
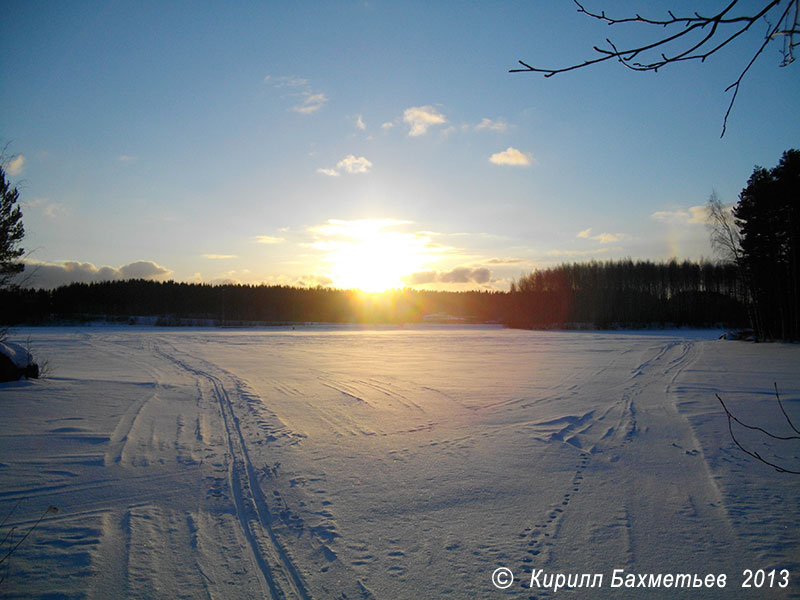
186,303
610,294
629,294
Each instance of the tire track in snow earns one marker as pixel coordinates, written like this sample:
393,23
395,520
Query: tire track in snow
605,437
596,435
686,486
132,487
122,444
280,575
119,438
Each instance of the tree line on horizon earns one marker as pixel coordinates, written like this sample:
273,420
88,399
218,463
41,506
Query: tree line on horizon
174,302
629,293
610,294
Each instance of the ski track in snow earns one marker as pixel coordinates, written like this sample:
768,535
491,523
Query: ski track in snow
381,464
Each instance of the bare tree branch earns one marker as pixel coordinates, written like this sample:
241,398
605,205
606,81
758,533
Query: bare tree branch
725,236
788,420
753,453
719,30
49,509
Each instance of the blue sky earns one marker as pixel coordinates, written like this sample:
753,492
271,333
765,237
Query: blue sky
368,144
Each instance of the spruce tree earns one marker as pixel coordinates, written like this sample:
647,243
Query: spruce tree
11,232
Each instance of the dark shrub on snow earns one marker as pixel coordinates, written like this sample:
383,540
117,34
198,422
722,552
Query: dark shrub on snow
16,363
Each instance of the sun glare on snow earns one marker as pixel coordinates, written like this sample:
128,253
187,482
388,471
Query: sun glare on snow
370,254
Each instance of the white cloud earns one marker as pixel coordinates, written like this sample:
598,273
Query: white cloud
578,253
511,157
356,228
421,118
699,214
490,125
307,101
387,125
349,164
51,210
143,269
694,215
311,103
458,275
287,81
15,165
313,281
505,261
608,238
603,238
667,216
466,275
232,277
52,275
360,123
55,210
268,239
219,256
127,158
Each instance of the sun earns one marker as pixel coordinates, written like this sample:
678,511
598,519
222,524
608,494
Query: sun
371,254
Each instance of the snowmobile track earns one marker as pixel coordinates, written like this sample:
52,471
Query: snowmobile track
279,572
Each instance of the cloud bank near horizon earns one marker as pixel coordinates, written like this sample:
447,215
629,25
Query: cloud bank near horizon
52,275
480,275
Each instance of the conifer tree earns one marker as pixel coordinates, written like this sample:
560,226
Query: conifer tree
11,231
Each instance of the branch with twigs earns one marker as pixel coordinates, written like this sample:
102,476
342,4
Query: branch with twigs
753,453
716,32
7,555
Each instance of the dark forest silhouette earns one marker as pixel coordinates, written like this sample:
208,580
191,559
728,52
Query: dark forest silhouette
629,294
243,304
768,220
610,294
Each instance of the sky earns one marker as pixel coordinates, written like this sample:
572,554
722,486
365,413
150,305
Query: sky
367,144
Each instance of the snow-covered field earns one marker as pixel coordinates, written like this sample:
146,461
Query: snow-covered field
394,463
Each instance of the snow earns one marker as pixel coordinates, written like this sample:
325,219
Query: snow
18,355
333,462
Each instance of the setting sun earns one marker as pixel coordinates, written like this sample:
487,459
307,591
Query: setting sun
371,254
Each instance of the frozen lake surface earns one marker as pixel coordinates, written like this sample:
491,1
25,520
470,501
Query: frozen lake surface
394,463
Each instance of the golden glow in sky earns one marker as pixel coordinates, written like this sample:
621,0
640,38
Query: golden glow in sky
371,254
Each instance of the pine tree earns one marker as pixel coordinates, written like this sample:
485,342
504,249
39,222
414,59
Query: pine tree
11,232
768,215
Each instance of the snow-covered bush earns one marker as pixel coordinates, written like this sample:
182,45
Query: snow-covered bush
16,362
